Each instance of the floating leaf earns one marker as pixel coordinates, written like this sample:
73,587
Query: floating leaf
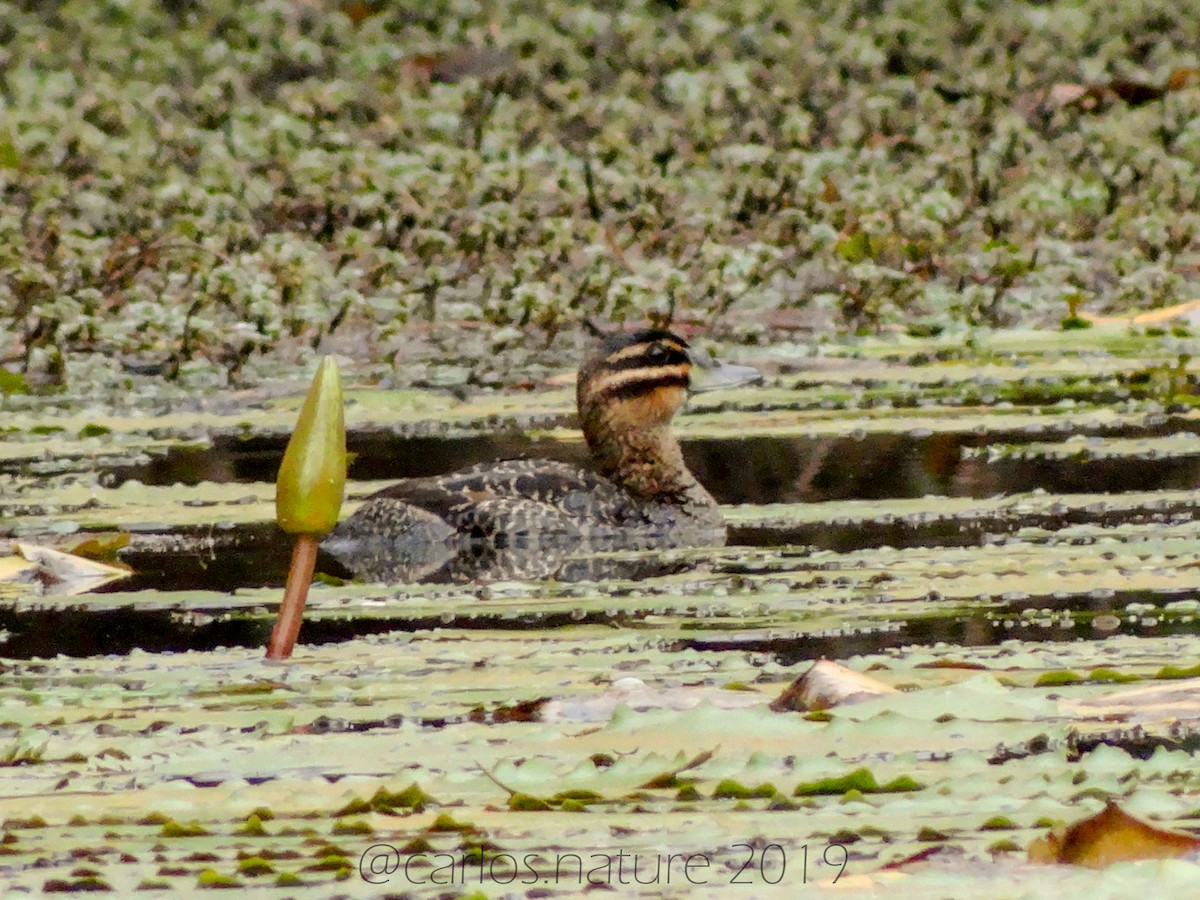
1108,837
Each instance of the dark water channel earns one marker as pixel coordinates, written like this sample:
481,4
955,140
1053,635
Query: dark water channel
757,470
739,470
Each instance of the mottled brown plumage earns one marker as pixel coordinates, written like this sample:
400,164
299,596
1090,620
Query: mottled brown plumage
641,494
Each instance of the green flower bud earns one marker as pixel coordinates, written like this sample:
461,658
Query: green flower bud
312,477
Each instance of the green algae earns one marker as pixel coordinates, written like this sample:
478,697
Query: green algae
998,823
856,784
352,826
1174,672
528,803
212,879
173,829
254,866
1057,679
332,862
729,789
253,826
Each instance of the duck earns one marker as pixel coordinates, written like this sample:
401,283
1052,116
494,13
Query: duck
523,516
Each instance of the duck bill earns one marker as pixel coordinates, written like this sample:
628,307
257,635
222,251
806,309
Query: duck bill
709,374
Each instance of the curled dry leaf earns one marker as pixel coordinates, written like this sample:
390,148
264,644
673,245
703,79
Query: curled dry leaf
63,573
827,684
1110,836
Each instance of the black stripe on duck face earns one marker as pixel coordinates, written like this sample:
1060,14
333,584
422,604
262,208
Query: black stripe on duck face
647,356
644,381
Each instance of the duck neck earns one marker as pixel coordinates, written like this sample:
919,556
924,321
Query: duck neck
647,462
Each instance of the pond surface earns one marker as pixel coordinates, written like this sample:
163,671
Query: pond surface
1003,540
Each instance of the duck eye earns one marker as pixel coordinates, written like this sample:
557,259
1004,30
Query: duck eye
657,353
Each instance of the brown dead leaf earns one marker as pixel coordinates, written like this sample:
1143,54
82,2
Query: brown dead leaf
1110,836
524,711
827,684
919,857
357,11
1183,78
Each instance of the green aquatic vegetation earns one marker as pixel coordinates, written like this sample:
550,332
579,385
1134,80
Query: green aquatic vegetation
528,803
780,803
85,885
211,878
578,795
1111,676
354,808
1172,672
416,846
411,797
173,829
1074,323
728,789
738,686
1058,679
254,866
29,822
352,826
22,754
998,823
13,382
331,862
253,826
447,823
861,780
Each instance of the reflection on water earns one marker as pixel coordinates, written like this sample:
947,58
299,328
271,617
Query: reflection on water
752,471
45,632
735,470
